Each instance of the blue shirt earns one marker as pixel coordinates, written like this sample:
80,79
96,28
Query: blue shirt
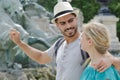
91,74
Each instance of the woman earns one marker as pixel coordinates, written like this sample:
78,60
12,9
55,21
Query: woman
95,40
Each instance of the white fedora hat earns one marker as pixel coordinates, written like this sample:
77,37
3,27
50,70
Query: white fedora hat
62,9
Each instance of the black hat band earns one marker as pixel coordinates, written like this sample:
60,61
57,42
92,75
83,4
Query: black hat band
63,12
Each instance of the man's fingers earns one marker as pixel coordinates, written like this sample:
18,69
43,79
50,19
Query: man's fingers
13,32
97,66
102,68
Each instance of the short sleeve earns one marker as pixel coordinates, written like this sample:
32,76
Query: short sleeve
51,51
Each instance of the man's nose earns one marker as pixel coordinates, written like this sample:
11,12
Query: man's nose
68,25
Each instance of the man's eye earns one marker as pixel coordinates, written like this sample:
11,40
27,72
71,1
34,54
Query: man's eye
62,23
71,21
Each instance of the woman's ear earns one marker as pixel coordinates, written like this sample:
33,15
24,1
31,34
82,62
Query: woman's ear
90,42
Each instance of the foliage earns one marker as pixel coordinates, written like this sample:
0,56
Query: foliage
48,4
88,7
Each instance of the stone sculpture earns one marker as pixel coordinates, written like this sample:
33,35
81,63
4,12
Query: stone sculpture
12,15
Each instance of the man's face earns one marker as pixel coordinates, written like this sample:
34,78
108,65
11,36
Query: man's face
67,25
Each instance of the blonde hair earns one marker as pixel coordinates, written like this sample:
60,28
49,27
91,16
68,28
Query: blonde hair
99,35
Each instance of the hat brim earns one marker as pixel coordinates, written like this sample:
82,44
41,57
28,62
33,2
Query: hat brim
76,12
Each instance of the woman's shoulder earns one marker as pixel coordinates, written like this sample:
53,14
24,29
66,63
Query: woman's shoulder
109,74
92,74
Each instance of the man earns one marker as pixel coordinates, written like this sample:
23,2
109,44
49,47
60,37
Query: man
68,57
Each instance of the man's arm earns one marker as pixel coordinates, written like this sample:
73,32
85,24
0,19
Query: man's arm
116,62
35,54
106,62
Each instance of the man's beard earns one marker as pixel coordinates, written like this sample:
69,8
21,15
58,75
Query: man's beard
71,28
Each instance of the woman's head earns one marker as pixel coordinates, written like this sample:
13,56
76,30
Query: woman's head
95,35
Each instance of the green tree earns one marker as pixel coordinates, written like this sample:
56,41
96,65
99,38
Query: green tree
48,4
88,7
